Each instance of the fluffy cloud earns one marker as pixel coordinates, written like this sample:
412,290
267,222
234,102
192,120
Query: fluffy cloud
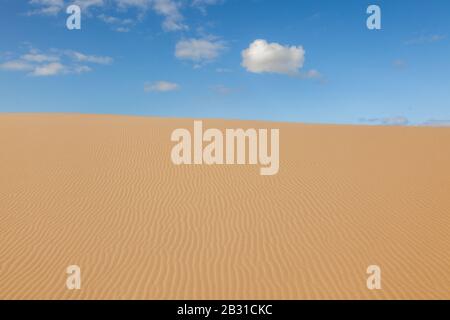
199,50
160,86
262,56
40,64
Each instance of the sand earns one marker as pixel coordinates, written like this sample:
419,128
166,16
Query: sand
101,192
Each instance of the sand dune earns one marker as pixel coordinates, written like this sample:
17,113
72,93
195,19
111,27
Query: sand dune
101,192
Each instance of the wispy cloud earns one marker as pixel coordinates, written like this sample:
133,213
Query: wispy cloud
437,123
386,121
118,24
423,39
54,7
168,9
173,19
45,7
203,4
56,62
160,86
222,89
80,57
399,64
311,74
200,51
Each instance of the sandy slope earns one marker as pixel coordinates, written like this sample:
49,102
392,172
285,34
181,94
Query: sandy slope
101,192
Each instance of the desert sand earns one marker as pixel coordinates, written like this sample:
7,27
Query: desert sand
101,192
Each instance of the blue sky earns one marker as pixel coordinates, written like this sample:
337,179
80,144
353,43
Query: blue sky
186,59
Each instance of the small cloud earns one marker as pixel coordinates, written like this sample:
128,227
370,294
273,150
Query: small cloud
169,9
436,123
311,74
161,86
16,65
202,4
86,4
223,70
120,25
387,121
45,7
222,89
35,56
78,56
172,16
39,64
314,16
199,50
423,39
262,56
399,64
54,7
50,69
122,29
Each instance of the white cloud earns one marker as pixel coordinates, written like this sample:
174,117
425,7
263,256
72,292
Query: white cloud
49,69
423,39
46,7
143,4
86,4
437,123
36,63
202,4
16,65
387,121
34,56
169,9
223,70
199,3
173,18
78,56
53,7
222,89
119,24
160,86
114,20
399,64
262,56
312,74
199,50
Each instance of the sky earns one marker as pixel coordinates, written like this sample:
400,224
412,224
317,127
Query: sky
312,61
